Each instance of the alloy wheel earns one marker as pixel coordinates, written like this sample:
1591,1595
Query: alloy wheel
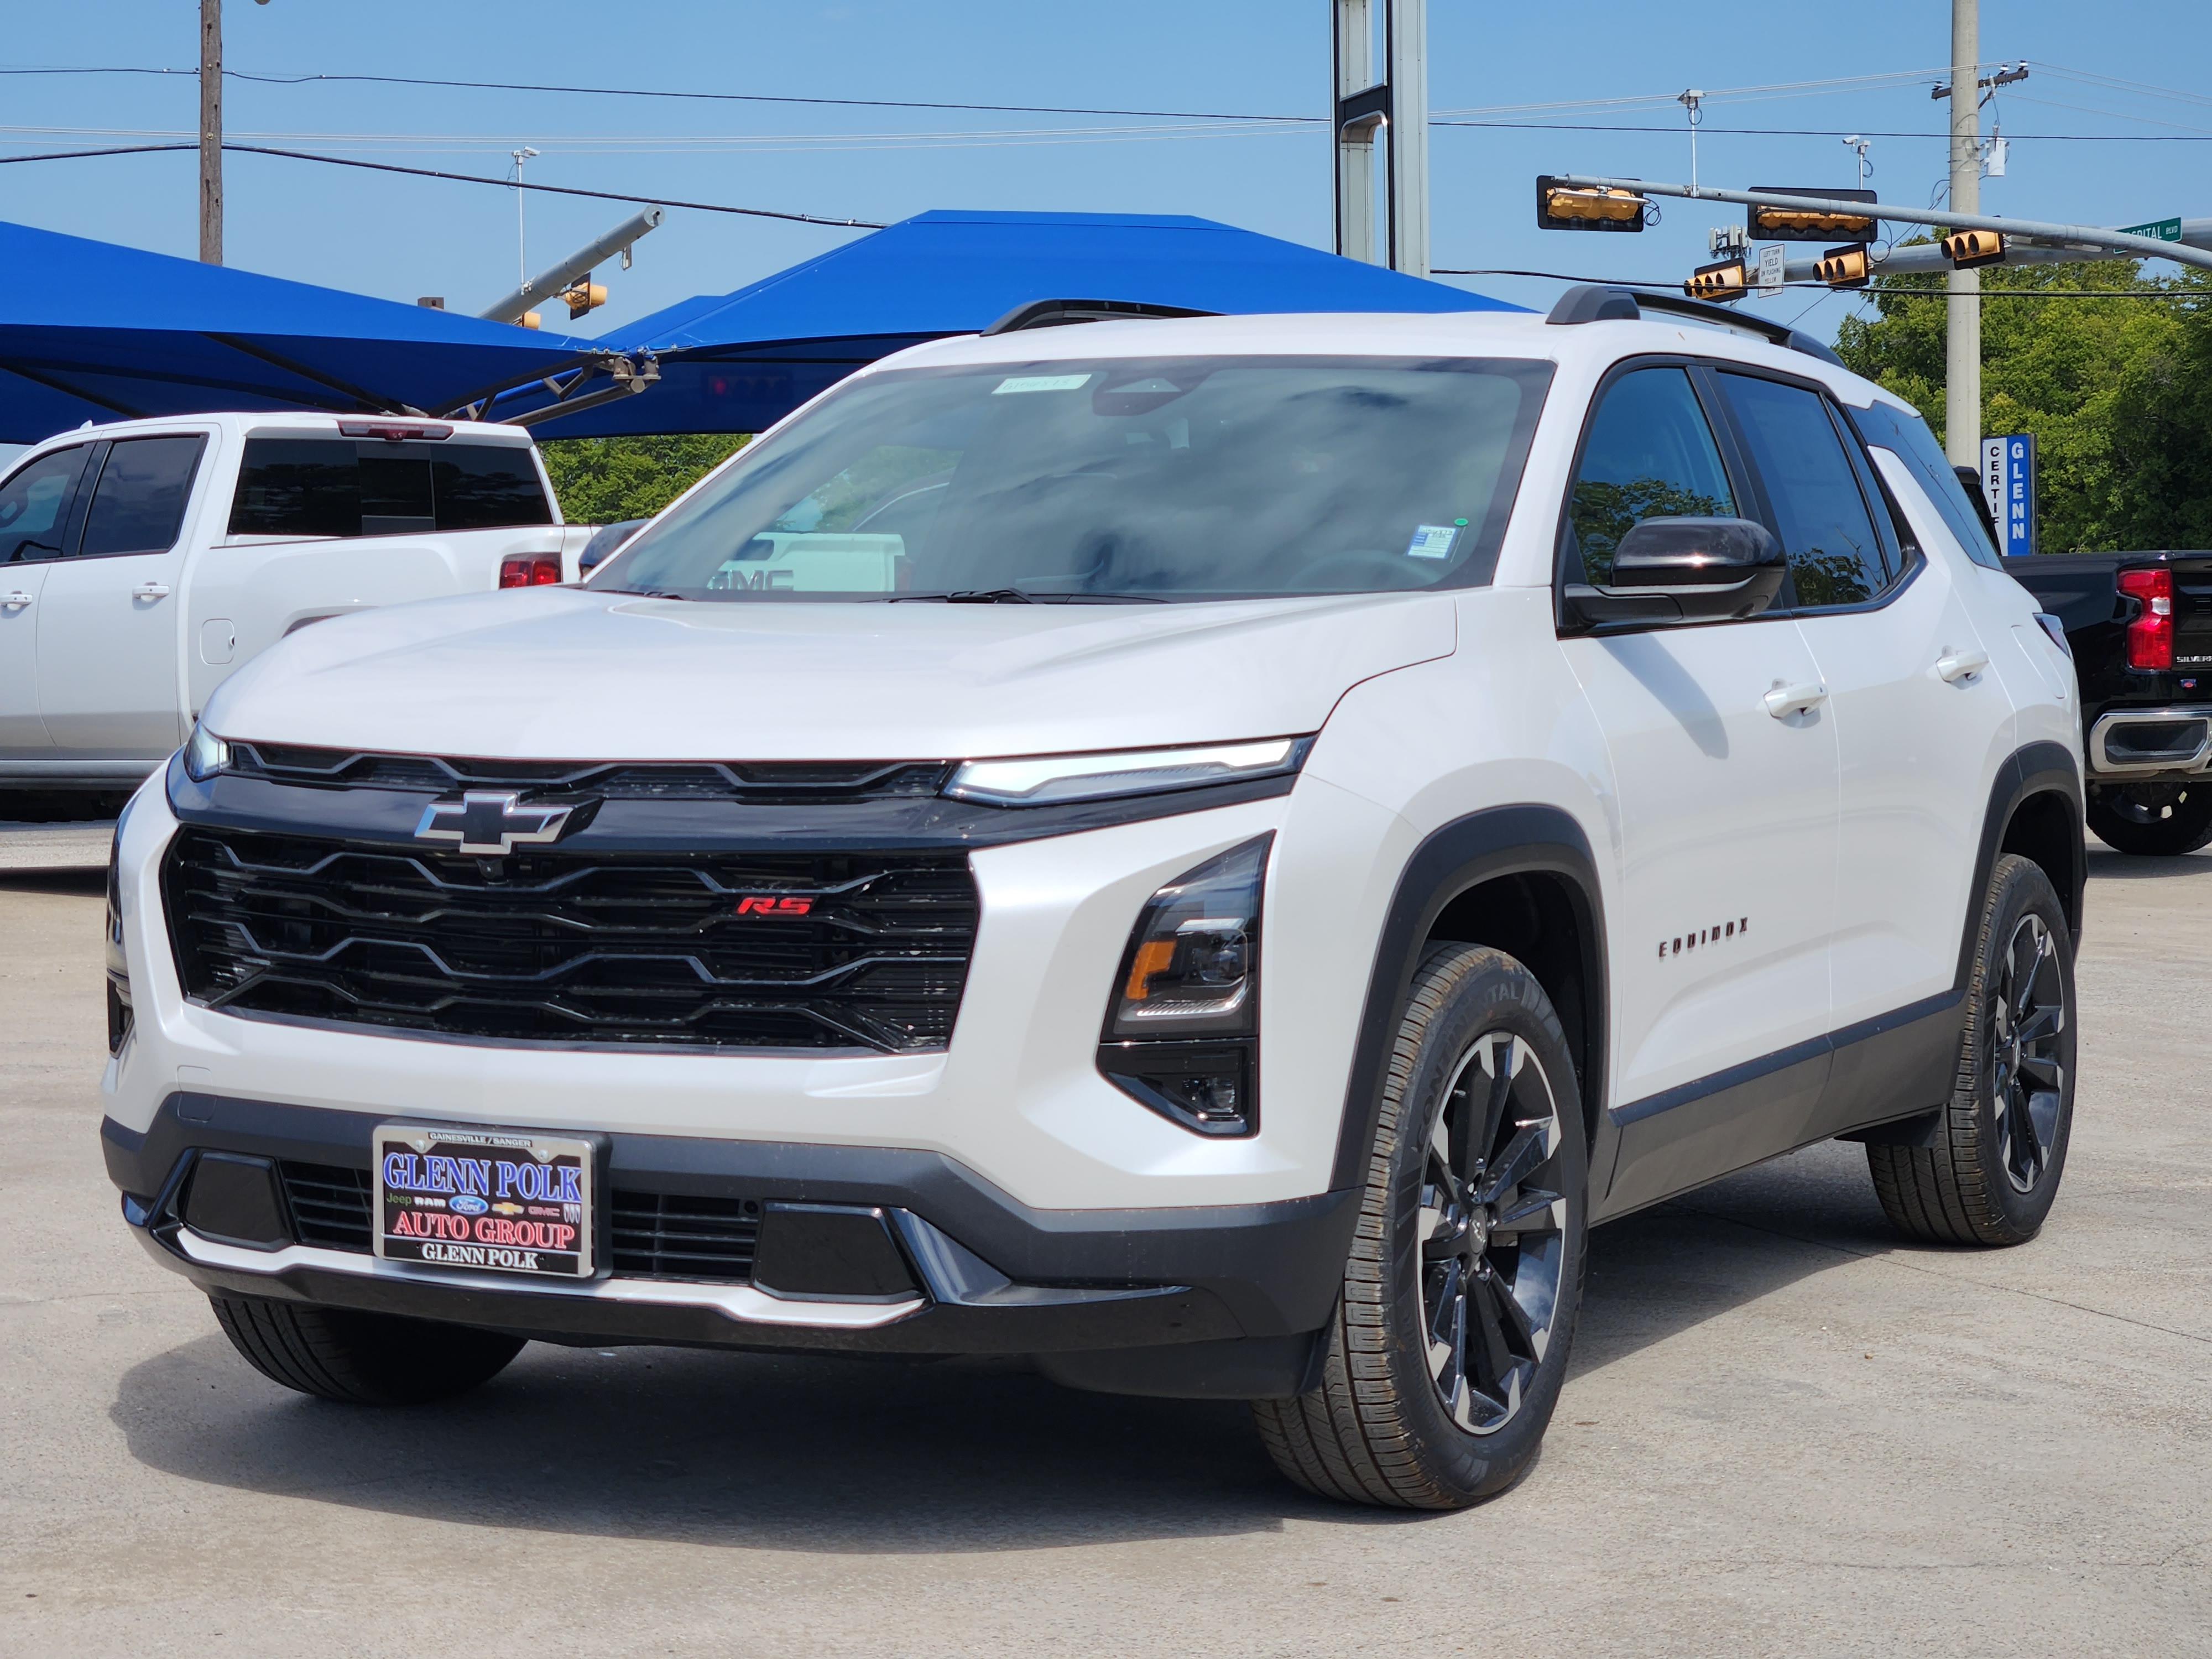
1492,1231
2027,1017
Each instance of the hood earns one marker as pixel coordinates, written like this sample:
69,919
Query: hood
567,674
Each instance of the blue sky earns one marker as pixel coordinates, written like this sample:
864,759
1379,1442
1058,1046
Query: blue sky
403,237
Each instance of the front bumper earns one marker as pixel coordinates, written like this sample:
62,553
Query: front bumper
1218,1302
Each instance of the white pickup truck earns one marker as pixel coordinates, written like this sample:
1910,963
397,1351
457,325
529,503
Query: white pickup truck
141,562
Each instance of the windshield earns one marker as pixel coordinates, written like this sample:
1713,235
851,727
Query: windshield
1171,478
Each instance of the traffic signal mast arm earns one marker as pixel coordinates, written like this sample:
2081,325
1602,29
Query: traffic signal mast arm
1925,258
2085,237
548,285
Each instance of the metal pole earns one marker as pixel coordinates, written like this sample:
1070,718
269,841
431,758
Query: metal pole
1408,23
212,132
1351,143
1962,333
550,284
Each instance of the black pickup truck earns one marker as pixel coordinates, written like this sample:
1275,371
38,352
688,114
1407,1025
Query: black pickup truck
2140,627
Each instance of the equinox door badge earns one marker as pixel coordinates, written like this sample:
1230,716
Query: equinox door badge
1696,936
483,821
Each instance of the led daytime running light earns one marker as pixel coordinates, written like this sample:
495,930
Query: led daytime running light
1043,779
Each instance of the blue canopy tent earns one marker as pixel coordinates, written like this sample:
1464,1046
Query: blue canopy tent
93,331
737,362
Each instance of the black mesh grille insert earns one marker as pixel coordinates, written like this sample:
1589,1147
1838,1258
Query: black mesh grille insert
660,1235
330,1205
782,950
653,1235
762,782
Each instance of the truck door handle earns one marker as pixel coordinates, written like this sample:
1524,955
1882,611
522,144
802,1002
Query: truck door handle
15,601
1787,699
1956,666
151,590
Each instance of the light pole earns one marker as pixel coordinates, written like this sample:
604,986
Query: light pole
521,262
1962,331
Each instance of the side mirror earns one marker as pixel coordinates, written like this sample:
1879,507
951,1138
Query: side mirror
1668,570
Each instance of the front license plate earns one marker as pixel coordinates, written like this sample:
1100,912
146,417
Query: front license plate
488,1200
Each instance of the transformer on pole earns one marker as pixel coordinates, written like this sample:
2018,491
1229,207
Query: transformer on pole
1395,106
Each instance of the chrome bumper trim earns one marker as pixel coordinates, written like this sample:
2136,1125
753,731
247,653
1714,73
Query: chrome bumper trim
740,1302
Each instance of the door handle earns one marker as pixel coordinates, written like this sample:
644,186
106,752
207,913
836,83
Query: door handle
1956,666
15,601
1787,699
151,590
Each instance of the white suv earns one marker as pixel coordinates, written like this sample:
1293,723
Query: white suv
1208,853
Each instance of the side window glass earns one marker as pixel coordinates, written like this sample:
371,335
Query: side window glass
1906,436
138,505
1835,556
1649,455
34,506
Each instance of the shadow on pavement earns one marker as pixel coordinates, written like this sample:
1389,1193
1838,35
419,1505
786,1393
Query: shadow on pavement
758,1451
2105,864
90,883
769,1451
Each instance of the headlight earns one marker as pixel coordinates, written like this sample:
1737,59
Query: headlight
1047,779
205,754
1182,1024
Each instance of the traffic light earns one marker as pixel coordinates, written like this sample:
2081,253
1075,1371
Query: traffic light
528,319
1845,267
1781,224
1968,248
1725,279
1571,206
586,295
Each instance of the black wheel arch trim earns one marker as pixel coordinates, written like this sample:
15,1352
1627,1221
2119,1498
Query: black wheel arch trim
2036,769
1455,858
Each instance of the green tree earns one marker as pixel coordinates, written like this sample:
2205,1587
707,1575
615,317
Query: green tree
600,480
2117,392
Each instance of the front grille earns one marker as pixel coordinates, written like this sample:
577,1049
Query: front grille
659,1236
860,949
330,1205
756,782
653,1236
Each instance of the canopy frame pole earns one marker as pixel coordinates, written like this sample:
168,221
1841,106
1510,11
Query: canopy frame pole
482,397
372,403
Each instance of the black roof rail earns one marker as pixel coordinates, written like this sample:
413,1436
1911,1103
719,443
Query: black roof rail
1058,314
1596,302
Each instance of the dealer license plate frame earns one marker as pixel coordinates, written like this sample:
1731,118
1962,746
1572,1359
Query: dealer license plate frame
501,1190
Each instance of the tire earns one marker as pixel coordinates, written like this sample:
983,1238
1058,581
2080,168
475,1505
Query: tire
361,1358
2000,1146
2152,820
1487,1256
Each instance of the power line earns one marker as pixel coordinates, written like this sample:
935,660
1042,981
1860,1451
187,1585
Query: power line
702,97
462,178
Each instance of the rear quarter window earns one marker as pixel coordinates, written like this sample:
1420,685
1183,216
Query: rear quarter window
313,486
1906,436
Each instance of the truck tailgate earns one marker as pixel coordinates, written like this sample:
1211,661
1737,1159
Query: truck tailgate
2192,610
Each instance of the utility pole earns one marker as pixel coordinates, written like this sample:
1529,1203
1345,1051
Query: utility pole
1962,333
211,132
1395,105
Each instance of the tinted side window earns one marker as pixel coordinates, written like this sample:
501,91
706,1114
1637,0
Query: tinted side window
1906,436
485,486
341,487
34,506
1835,556
1649,454
138,505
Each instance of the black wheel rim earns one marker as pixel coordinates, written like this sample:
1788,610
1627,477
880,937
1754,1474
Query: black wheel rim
2028,1026
1492,1227
2143,804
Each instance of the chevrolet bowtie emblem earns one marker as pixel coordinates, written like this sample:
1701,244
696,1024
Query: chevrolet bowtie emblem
483,822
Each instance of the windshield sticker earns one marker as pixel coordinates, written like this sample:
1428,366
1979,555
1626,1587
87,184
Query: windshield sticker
1040,382
1432,541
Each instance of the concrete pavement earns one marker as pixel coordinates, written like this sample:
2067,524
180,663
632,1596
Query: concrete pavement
1786,1432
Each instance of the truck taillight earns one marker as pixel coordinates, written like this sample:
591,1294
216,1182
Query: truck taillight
2150,636
530,570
